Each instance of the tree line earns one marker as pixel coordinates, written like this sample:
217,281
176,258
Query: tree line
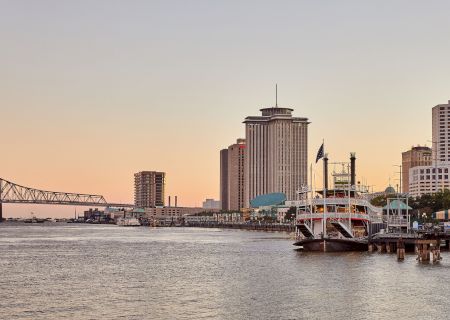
425,204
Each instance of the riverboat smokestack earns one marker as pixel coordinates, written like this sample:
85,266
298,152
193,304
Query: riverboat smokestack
325,173
176,201
169,201
352,169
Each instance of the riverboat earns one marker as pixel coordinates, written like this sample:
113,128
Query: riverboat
128,222
335,219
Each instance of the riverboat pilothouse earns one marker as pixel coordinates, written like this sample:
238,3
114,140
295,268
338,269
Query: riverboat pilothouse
335,219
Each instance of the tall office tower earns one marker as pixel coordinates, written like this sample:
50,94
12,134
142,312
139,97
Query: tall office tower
224,179
236,178
276,154
441,133
417,156
149,189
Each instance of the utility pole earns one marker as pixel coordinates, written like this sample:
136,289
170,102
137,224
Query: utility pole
435,152
401,174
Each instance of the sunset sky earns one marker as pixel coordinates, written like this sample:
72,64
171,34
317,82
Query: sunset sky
93,91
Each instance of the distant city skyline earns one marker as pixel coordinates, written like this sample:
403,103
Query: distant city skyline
94,91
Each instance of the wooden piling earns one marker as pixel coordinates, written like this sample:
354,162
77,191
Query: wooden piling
381,247
400,249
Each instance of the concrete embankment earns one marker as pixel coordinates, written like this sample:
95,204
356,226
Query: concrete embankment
245,226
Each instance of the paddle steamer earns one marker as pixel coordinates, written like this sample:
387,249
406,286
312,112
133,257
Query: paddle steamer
335,219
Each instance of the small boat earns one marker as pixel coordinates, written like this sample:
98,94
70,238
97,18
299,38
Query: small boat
33,219
128,222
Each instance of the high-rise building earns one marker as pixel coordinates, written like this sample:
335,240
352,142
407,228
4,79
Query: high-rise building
441,133
417,156
276,153
224,179
149,187
232,178
236,178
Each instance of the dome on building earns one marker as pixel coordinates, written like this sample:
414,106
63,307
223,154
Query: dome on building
270,199
390,190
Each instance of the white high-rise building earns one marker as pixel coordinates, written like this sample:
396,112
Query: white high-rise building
441,133
276,153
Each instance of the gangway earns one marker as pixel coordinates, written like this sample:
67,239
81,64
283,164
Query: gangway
342,228
305,229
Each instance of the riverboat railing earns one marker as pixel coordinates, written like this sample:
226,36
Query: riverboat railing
332,215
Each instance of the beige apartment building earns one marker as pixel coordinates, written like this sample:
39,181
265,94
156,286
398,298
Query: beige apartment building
276,157
149,187
232,176
417,156
236,178
224,179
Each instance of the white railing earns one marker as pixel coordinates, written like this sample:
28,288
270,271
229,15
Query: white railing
397,221
334,201
332,215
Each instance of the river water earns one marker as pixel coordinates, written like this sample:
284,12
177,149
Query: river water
63,271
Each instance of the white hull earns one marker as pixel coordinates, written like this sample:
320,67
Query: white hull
128,222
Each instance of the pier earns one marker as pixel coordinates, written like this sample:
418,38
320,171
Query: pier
427,245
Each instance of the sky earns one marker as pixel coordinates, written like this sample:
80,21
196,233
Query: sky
94,91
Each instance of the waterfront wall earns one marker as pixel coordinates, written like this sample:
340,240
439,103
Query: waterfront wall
244,226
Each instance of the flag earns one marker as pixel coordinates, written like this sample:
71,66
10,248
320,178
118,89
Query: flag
320,153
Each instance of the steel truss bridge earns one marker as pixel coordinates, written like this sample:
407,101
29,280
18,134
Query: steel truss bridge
11,192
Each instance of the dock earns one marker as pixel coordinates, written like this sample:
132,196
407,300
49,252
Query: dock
427,245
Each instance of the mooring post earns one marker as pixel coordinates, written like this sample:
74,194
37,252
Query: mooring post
388,247
437,251
425,252
400,249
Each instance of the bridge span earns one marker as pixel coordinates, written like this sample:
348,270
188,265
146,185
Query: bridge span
11,192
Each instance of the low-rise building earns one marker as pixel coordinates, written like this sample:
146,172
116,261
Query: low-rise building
428,179
212,204
173,214
229,217
199,218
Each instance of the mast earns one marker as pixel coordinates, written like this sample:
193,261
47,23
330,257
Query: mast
276,95
350,186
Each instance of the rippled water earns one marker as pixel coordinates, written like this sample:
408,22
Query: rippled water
106,272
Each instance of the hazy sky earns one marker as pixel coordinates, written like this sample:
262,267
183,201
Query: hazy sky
93,91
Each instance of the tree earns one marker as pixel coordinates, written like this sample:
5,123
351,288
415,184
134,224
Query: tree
290,214
379,201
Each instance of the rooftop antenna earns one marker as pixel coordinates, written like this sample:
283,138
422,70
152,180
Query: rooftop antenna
276,95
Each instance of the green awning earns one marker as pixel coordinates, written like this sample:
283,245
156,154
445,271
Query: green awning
396,205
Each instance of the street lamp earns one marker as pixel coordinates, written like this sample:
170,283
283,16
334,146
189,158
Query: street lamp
435,152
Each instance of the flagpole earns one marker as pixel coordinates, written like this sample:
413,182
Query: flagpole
324,218
311,199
